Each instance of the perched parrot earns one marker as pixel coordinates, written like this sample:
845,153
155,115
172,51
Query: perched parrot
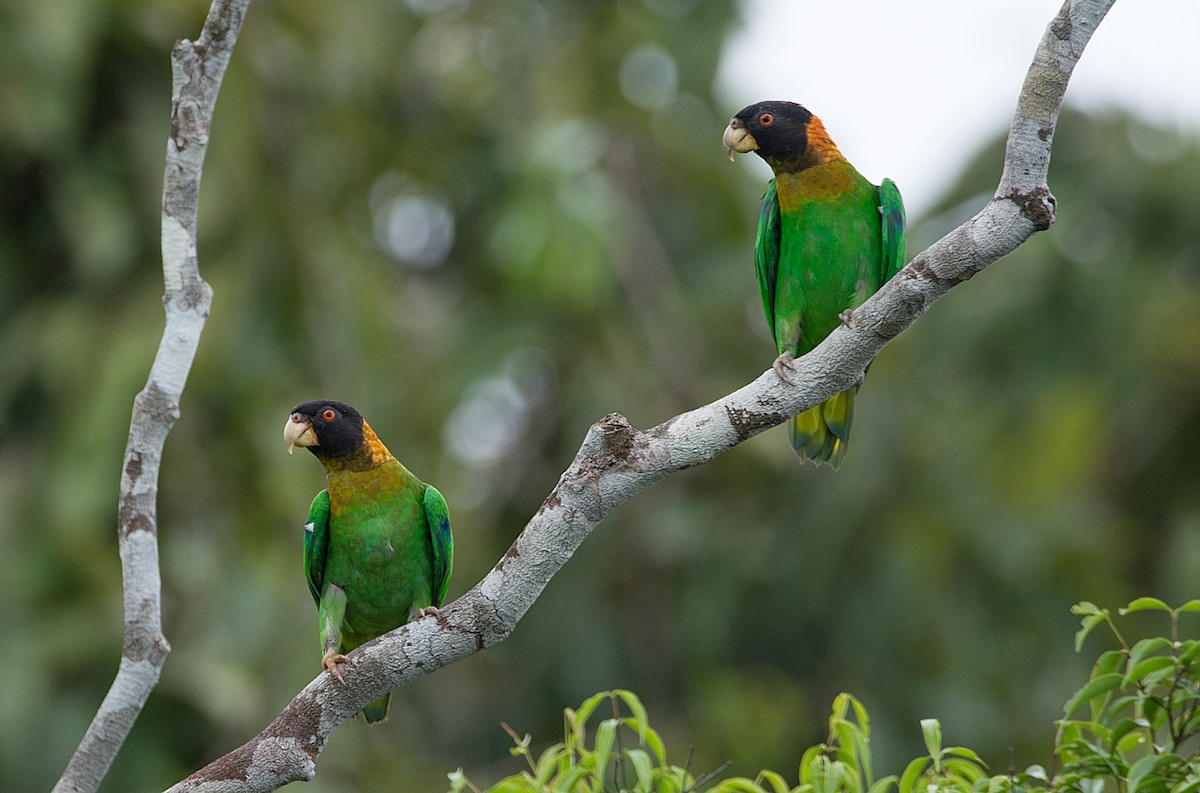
377,548
827,240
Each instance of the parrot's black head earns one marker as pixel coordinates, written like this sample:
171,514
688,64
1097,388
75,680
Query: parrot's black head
784,134
330,429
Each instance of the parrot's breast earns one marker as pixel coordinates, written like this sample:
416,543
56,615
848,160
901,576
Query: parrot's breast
380,552
829,251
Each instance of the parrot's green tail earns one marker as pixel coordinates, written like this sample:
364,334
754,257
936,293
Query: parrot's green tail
377,711
821,434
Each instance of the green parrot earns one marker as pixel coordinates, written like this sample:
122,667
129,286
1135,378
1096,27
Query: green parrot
827,240
377,548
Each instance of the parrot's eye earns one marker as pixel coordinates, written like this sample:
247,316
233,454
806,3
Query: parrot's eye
766,119
329,414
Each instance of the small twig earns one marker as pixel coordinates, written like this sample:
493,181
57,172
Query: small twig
711,775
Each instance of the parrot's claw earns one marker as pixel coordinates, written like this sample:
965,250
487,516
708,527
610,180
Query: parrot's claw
846,317
782,363
330,663
429,611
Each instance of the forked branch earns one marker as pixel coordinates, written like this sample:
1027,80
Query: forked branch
197,70
616,460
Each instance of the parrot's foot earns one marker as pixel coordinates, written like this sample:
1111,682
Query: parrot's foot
330,663
429,611
784,362
847,317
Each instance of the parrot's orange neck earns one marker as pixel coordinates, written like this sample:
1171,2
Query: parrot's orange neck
371,454
375,448
820,146
819,149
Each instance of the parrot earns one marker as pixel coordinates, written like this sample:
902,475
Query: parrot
827,240
378,551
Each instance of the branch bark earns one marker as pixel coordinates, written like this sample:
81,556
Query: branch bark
616,460
197,69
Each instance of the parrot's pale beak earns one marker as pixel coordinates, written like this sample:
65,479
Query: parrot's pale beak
298,432
737,138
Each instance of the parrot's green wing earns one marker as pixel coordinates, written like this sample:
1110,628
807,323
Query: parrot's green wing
766,254
438,516
316,544
891,207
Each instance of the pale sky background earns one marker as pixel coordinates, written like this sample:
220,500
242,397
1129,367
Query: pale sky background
910,89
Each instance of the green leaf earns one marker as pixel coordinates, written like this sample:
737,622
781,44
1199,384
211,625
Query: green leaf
1191,782
640,719
1069,732
965,769
838,712
820,774
1109,661
847,744
835,777
739,785
884,783
1146,647
1095,687
862,748
579,717
1128,742
964,752
643,768
1086,608
809,763
1189,651
860,715
912,772
1118,706
1088,732
1142,773
778,783
844,780
606,734
997,784
518,783
1154,714
1119,730
551,761
655,742
1144,604
931,731
1143,670
1087,624
1191,606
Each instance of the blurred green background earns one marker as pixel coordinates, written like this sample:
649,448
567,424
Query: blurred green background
487,225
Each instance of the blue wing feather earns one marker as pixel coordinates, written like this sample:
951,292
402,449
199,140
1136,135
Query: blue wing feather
438,516
316,544
891,207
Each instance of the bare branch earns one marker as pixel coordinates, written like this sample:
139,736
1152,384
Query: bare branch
197,70
616,460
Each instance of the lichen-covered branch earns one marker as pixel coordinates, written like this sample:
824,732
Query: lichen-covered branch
197,70
616,460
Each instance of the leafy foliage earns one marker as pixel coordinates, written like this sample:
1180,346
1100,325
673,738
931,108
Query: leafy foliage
1141,735
1136,720
607,765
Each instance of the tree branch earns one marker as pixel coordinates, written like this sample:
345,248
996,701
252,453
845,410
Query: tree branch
616,460
196,71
